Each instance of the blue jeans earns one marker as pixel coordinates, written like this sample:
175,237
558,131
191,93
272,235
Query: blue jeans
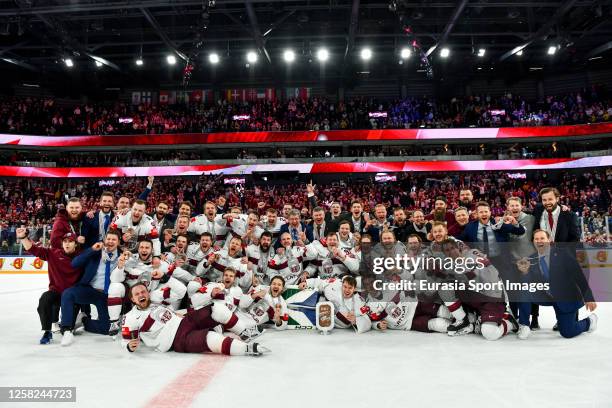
566,317
86,295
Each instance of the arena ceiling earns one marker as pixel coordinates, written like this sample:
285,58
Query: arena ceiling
39,36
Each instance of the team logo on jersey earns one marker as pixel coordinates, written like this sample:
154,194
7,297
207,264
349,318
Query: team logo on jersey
396,312
581,258
38,263
18,263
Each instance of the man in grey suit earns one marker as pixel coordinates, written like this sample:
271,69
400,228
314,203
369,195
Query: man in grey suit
521,246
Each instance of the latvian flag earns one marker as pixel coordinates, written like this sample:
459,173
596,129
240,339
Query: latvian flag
302,93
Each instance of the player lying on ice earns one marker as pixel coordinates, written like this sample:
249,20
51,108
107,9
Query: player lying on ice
350,309
160,327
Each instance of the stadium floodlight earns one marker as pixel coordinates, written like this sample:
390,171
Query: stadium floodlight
445,52
139,62
405,53
481,52
322,54
552,50
69,63
251,57
519,53
171,59
366,54
289,56
99,64
213,58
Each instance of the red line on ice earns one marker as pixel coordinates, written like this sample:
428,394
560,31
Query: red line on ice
187,385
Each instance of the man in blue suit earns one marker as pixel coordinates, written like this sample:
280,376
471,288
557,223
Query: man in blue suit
294,227
97,263
488,235
568,288
96,224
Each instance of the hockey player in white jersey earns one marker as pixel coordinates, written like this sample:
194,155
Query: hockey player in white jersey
288,260
211,269
161,328
210,222
259,256
246,227
346,240
179,249
225,292
135,226
265,304
351,310
273,223
332,261
187,265
142,267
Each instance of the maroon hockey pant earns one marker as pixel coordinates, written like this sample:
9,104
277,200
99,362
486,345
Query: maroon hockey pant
422,314
191,334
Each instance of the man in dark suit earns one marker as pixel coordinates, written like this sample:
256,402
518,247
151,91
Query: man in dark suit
334,216
488,236
96,224
319,227
164,220
294,227
568,288
357,219
97,263
400,226
418,226
562,226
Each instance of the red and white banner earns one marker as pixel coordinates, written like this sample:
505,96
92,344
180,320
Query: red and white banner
310,136
308,168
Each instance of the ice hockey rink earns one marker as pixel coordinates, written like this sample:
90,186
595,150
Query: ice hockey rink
307,369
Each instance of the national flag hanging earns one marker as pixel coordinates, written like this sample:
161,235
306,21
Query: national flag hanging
146,97
135,98
167,97
303,93
207,96
235,95
196,96
268,94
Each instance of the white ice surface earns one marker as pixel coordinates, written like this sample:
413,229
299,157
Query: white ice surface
392,369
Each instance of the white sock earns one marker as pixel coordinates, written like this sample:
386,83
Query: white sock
220,344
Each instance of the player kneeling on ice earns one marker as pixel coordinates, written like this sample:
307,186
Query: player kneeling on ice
224,297
142,267
493,321
265,304
397,310
350,309
160,327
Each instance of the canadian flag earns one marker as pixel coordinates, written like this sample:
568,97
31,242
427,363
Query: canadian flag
167,97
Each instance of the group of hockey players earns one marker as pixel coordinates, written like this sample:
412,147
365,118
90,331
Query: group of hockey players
213,282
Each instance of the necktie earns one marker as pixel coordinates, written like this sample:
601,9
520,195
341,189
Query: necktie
107,272
319,232
551,220
485,240
544,269
294,234
106,222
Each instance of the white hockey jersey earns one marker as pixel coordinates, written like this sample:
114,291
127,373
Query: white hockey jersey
238,228
218,227
289,264
332,291
156,326
214,271
146,228
326,265
274,229
396,308
201,295
260,260
261,309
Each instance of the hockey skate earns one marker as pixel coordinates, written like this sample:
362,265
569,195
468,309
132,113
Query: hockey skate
114,328
256,350
251,332
458,328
